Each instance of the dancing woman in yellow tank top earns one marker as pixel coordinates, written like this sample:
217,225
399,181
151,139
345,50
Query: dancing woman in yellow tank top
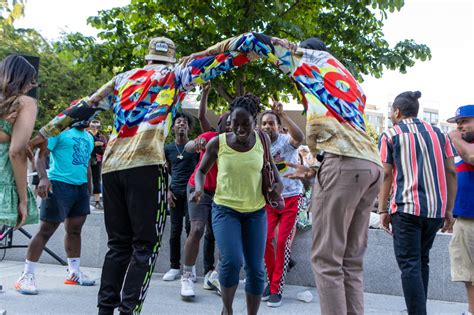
238,214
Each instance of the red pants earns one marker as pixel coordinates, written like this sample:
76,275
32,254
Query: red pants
277,263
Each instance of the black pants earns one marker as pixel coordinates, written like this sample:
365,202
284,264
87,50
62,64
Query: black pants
135,214
96,177
177,214
209,242
413,238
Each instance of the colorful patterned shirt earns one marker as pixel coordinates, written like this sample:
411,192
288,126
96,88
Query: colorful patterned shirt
333,100
417,152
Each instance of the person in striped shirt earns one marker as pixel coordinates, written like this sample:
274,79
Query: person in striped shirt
419,168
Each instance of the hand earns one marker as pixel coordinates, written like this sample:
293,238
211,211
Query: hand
44,187
22,214
301,172
455,134
284,43
277,107
206,87
200,144
448,223
171,199
385,220
276,189
187,59
196,196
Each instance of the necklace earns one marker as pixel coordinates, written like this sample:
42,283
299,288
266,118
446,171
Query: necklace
180,154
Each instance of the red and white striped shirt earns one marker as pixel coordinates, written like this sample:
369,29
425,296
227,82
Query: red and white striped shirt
417,151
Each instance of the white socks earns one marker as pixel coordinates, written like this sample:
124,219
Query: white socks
30,267
188,268
74,265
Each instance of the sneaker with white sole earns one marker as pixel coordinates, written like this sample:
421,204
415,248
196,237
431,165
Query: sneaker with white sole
274,300
171,275
205,285
266,293
78,278
213,282
187,286
26,284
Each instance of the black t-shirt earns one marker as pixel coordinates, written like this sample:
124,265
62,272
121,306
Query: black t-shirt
181,168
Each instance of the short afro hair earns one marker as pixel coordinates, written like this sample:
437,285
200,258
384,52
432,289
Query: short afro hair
188,117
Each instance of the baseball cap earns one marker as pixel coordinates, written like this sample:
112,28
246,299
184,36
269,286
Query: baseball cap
462,112
161,49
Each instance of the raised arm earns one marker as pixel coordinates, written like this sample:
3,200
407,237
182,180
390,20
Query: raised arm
296,134
203,121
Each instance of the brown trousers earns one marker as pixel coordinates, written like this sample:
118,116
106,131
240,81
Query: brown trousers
343,196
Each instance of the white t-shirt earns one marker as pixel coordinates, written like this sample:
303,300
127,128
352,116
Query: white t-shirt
282,152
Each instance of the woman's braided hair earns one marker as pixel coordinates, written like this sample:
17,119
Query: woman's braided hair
249,102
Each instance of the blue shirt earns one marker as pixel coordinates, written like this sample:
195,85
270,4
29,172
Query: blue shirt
70,154
464,204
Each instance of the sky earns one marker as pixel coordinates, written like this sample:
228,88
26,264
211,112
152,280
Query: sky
446,26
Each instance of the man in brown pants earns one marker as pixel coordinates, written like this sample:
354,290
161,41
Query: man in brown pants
344,191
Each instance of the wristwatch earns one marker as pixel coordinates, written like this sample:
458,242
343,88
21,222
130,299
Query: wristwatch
319,160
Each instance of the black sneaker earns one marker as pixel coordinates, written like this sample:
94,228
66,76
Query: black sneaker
266,293
274,300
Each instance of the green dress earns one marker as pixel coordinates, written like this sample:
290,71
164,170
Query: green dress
8,193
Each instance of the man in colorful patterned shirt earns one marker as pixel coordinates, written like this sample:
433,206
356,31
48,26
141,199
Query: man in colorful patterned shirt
461,248
419,168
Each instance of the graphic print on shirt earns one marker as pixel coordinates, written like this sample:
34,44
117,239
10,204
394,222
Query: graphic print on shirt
81,151
280,162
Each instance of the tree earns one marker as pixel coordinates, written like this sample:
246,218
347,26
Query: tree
62,79
351,29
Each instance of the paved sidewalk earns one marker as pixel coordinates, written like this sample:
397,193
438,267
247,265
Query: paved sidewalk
163,297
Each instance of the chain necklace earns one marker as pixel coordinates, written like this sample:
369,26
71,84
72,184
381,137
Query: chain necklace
180,154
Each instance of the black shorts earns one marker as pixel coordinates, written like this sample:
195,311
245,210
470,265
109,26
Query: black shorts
66,201
202,210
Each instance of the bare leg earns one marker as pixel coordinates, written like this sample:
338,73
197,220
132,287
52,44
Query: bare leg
470,296
228,295
191,246
72,240
253,303
39,241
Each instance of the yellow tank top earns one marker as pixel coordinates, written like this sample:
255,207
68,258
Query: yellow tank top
239,177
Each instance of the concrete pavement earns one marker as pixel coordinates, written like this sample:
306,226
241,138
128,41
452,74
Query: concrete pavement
163,297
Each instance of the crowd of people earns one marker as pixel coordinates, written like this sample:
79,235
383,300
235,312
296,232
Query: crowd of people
216,184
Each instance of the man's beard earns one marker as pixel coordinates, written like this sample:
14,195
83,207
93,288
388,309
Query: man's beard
468,136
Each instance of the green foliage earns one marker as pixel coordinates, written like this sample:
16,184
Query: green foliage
62,78
351,29
372,133
10,10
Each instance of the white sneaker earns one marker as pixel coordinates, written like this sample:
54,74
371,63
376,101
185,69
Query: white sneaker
26,284
171,275
193,276
187,286
205,285
79,279
213,282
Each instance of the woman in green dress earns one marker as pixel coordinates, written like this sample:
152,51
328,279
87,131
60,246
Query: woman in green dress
17,120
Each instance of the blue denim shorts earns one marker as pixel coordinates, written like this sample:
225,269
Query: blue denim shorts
65,201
